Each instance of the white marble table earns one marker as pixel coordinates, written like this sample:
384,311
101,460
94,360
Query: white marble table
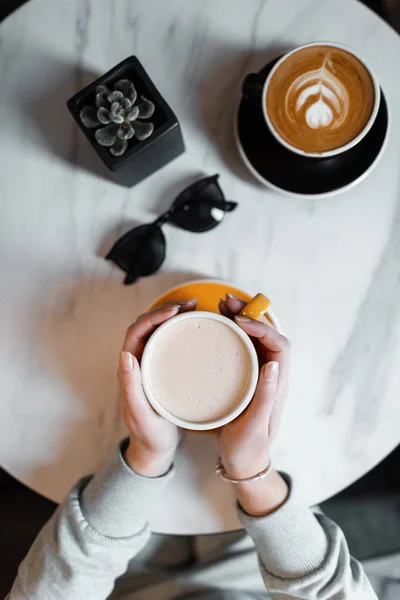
331,267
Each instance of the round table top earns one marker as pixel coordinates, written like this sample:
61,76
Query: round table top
331,267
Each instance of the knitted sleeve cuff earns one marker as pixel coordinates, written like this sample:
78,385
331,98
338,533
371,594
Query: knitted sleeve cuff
290,541
116,501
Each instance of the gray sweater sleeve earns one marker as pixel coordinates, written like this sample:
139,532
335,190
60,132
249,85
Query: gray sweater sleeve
303,555
89,540
102,525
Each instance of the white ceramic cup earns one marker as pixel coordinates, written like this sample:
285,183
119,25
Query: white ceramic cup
340,149
203,425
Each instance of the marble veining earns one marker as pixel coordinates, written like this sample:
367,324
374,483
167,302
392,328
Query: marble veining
330,267
360,360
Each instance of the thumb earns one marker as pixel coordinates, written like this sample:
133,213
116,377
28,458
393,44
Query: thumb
264,399
125,375
130,383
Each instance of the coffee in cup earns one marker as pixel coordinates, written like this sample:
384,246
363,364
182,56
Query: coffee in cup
319,99
199,370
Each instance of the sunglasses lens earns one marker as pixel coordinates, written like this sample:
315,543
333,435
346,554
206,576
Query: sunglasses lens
201,206
139,252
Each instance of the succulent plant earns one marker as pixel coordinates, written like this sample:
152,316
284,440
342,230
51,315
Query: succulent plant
117,118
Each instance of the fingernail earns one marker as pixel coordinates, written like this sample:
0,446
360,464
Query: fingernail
126,360
242,319
231,296
221,300
186,302
175,307
271,370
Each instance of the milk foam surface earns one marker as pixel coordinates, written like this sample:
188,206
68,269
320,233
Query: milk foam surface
199,369
320,98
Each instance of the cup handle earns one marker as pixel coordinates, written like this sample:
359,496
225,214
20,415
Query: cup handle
256,308
252,88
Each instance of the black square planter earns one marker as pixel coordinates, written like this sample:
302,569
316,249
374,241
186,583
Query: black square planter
142,158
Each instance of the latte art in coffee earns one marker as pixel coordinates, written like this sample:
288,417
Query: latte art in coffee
320,98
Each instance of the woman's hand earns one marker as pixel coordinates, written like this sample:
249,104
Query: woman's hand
245,443
153,440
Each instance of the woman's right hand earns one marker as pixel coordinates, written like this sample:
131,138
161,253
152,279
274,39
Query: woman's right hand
153,440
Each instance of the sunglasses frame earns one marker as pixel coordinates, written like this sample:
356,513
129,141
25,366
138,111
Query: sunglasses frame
194,191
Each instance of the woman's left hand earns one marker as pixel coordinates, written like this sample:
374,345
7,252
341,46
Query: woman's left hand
153,440
245,443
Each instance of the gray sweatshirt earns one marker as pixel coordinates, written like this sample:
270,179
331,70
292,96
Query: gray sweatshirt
89,541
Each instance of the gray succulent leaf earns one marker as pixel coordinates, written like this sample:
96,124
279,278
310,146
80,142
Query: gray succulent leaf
88,116
126,131
117,109
126,104
103,116
119,147
133,114
146,108
102,89
143,130
114,96
127,88
102,100
117,119
117,113
106,136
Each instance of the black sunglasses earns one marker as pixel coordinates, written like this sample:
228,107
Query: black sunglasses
198,208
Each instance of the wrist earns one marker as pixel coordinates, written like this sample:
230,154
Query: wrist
146,462
237,469
262,497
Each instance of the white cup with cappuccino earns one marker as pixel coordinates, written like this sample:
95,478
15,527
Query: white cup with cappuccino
318,100
199,370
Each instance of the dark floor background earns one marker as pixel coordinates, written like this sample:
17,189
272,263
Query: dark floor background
7,6
368,511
